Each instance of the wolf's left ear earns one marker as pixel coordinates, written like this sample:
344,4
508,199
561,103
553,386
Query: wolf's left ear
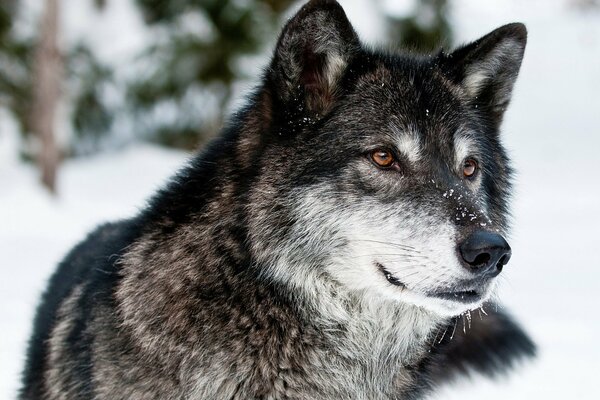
311,56
487,68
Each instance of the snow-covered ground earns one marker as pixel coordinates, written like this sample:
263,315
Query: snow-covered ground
552,130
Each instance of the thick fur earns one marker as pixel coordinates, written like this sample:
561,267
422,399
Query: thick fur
270,266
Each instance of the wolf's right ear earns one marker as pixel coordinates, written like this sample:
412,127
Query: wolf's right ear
487,68
311,56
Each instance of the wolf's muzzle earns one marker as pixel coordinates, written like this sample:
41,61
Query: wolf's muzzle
485,253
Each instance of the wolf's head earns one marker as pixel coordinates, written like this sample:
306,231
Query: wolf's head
380,173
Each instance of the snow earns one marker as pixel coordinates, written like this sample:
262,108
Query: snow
552,130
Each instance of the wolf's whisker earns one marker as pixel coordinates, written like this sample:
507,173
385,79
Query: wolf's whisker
386,243
444,334
391,254
454,330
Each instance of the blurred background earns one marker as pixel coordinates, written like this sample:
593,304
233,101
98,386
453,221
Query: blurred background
102,100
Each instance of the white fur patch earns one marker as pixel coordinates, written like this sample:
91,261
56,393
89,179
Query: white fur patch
416,247
408,144
464,146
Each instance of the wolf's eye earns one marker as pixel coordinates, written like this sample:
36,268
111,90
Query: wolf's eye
383,158
469,168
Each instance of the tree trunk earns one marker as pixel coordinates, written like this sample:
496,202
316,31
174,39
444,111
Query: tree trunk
46,93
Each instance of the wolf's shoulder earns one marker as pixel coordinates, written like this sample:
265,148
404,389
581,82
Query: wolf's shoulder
90,265
90,261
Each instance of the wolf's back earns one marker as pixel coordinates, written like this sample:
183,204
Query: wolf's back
82,281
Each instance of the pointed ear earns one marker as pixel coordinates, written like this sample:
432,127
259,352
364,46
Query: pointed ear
487,68
311,56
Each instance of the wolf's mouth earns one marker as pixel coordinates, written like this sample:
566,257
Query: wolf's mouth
461,295
389,276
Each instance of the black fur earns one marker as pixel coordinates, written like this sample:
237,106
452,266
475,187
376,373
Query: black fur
489,344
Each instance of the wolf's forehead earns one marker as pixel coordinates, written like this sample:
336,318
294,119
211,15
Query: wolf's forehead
408,142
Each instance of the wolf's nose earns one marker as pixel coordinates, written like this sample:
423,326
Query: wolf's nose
485,252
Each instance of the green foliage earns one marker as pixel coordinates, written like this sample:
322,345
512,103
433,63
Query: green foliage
91,116
201,43
15,68
426,29
84,81
5,21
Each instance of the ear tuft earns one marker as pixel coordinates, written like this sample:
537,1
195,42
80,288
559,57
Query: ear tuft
311,55
487,68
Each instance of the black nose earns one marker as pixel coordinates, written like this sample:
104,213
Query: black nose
485,252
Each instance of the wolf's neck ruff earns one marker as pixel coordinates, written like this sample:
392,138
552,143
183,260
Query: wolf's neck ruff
371,328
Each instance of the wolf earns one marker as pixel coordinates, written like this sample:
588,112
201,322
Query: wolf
332,243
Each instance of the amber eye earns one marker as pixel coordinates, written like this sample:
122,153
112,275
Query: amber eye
383,158
469,168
